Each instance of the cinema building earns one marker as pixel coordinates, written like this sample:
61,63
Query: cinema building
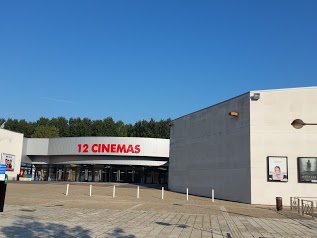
86,159
248,148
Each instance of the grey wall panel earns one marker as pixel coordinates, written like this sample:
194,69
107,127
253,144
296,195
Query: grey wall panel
40,159
151,147
211,150
25,158
37,146
79,160
144,161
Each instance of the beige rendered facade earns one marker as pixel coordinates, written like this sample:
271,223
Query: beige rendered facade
237,155
11,144
272,135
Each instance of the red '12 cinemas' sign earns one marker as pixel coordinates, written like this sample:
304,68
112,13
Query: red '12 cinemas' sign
109,148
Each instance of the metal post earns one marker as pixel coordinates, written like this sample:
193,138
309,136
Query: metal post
213,195
114,191
67,187
302,207
162,192
312,209
90,190
3,188
298,206
291,203
187,193
138,192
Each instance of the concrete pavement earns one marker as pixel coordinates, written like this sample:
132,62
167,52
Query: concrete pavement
43,210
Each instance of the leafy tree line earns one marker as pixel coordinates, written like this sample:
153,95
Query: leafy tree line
76,127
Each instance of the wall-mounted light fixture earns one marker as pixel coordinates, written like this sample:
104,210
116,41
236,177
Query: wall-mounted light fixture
255,97
234,114
298,124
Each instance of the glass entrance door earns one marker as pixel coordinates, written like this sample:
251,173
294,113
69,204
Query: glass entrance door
98,173
118,176
71,173
133,176
41,172
86,174
106,174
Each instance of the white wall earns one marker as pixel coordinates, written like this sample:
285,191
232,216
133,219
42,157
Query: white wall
151,147
211,150
11,143
273,135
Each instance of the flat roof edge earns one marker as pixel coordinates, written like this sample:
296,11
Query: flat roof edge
212,105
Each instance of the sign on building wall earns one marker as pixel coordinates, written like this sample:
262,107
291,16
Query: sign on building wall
277,169
307,169
25,171
9,160
109,148
2,171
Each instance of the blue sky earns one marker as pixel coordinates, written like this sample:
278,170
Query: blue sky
135,60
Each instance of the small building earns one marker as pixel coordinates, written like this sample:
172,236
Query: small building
85,159
246,149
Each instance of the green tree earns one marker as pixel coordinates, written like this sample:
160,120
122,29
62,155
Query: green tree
151,129
139,128
97,128
122,129
109,127
2,120
80,127
27,128
130,130
163,127
76,127
45,132
12,125
43,121
62,124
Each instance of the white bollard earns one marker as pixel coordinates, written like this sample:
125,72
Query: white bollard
162,192
138,193
187,193
67,187
212,195
90,190
114,191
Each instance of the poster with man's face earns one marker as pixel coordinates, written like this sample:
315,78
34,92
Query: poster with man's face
307,169
277,169
9,161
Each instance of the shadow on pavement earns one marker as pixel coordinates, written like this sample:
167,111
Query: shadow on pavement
119,232
186,226
26,227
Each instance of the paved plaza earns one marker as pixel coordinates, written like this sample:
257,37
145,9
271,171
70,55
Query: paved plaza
43,210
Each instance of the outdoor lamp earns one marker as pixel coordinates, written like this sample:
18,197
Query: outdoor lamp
234,114
298,124
255,97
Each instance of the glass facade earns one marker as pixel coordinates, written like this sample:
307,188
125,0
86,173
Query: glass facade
101,173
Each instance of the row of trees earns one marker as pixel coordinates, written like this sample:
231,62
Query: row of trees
76,127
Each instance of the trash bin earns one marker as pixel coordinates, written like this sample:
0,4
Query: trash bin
279,203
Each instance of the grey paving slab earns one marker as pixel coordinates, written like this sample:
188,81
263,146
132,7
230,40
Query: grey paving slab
104,216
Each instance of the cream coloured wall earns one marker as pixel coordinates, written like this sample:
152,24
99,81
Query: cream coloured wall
11,143
273,135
